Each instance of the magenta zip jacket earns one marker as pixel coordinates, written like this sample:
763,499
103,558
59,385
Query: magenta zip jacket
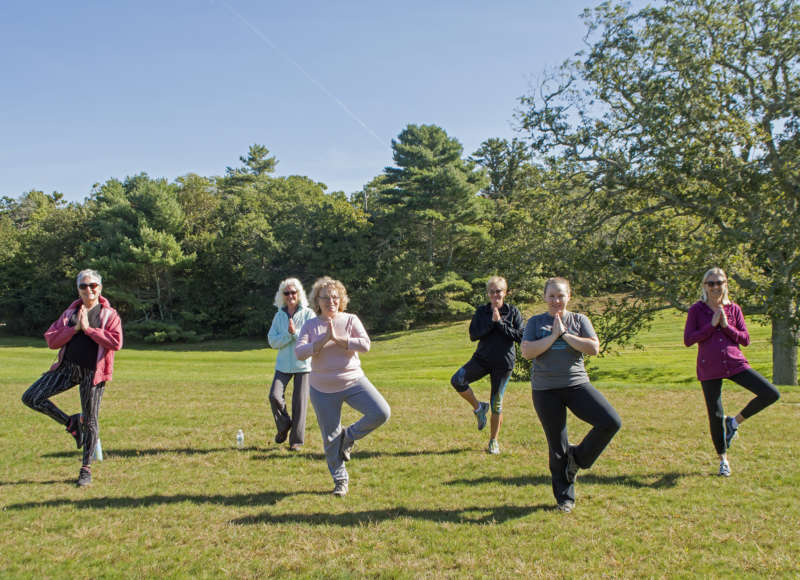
718,352
108,338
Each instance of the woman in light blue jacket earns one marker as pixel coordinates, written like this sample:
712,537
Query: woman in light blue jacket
293,312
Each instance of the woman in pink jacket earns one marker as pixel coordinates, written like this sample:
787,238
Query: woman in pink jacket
333,340
87,334
717,326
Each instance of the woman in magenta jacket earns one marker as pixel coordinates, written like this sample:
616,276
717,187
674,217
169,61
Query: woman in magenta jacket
87,334
717,326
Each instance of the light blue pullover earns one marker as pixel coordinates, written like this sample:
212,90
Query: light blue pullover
279,337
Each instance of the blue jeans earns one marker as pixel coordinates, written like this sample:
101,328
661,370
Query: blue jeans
361,396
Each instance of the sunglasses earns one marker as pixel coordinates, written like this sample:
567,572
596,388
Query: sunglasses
289,292
91,285
713,283
497,290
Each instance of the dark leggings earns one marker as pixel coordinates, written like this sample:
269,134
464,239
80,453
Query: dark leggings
66,376
589,405
765,394
474,370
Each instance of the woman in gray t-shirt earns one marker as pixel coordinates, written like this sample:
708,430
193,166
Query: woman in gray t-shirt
556,342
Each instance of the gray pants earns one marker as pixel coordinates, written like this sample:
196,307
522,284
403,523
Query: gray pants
277,401
361,396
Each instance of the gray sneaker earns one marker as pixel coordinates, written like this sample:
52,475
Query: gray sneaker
480,414
566,506
340,488
724,468
572,465
345,447
84,477
730,432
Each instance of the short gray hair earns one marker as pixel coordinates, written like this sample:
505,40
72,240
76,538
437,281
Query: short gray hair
89,273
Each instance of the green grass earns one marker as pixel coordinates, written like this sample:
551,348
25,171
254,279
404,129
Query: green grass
175,498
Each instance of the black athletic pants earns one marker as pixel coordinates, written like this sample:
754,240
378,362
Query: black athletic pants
66,376
589,405
765,394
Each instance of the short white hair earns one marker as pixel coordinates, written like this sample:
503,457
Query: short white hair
89,274
280,300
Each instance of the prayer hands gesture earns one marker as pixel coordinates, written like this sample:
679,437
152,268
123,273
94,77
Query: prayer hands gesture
719,318
559,327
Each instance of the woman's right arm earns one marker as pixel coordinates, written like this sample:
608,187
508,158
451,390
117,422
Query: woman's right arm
278,335
532,348
59,333
304,348
695,330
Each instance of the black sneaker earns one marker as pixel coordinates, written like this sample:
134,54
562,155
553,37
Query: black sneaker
84,477
74,429
282,434
572,465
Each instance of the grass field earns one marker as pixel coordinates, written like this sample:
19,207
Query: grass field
176,498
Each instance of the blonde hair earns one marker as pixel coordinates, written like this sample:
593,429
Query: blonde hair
557,280
494,280
326,282
718,272
280,299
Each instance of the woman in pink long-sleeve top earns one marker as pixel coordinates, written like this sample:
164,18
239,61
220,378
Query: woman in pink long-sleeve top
333,341
717,326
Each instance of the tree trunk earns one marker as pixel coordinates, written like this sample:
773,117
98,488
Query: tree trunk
784,349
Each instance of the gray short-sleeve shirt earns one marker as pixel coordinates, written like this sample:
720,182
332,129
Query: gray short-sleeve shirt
561,365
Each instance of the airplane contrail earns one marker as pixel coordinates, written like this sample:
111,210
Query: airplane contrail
260,34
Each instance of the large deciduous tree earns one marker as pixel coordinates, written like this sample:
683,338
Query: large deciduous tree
681,124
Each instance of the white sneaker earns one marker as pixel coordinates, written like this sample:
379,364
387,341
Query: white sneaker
494,447
724,468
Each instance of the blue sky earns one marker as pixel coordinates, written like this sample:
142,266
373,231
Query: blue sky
93,90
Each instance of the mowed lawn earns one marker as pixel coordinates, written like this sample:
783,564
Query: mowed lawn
174,497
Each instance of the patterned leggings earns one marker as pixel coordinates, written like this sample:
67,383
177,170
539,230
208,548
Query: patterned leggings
66,376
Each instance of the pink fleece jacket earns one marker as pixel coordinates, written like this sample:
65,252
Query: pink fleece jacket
108,337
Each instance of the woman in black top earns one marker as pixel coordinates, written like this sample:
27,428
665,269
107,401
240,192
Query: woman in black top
496,326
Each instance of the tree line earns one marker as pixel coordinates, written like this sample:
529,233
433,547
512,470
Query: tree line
669,145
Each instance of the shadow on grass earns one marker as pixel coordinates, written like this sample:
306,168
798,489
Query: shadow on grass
470,515
34,482
262,453
242,499
357,454
112,452
651,481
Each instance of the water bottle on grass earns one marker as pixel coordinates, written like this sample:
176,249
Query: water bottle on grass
240,439
98,451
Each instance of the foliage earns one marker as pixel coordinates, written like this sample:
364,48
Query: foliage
677,135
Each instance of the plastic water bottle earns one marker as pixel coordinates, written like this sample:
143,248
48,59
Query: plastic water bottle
98,451
240,439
